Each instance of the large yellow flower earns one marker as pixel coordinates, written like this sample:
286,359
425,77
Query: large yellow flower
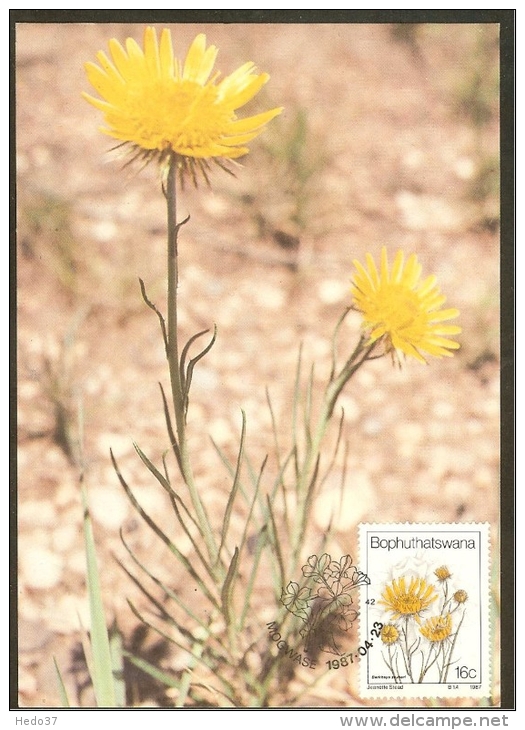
402,311
163,107
411,600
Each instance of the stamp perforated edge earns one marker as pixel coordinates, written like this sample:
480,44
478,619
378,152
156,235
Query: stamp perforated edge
427,690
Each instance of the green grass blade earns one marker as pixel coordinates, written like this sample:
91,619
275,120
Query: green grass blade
151,670
102,668
116,648
64,699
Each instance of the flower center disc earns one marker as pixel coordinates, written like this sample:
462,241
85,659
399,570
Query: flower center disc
181,115
397,307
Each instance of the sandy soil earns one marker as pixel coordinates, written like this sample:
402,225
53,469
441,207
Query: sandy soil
389,138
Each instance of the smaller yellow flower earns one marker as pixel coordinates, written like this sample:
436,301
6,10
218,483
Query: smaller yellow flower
437,628
402,311
442,573
460,596
409,600
389,634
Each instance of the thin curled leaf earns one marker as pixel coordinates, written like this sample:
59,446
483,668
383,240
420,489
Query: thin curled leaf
184,354
157,312
191,366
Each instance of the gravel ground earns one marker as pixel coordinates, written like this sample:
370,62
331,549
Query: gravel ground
389,137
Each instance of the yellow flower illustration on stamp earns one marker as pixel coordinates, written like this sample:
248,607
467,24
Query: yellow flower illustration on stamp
389,634
408,600
442,573
437,628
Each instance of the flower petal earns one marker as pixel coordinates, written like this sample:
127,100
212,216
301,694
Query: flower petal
149,102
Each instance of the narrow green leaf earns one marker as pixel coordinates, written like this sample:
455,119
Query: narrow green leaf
274,429
164,481
165,539
153,469
184,355
166,590
227,588
336,450
231,469
157,312
191,366
64,699
196,543
276,543
166,679
233,491
262,541
169,426
311,490
308,409
296,397
102,678
334,341
116,648
249,524
279,482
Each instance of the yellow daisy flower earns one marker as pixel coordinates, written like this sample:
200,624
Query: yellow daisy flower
409,600
403,311
164,107
442,573
389,634
437,628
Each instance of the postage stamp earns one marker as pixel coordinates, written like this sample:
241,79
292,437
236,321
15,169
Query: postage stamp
424,614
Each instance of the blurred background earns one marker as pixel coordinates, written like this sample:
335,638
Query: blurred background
389,137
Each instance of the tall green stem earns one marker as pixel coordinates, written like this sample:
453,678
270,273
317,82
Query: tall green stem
174,365
304,485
